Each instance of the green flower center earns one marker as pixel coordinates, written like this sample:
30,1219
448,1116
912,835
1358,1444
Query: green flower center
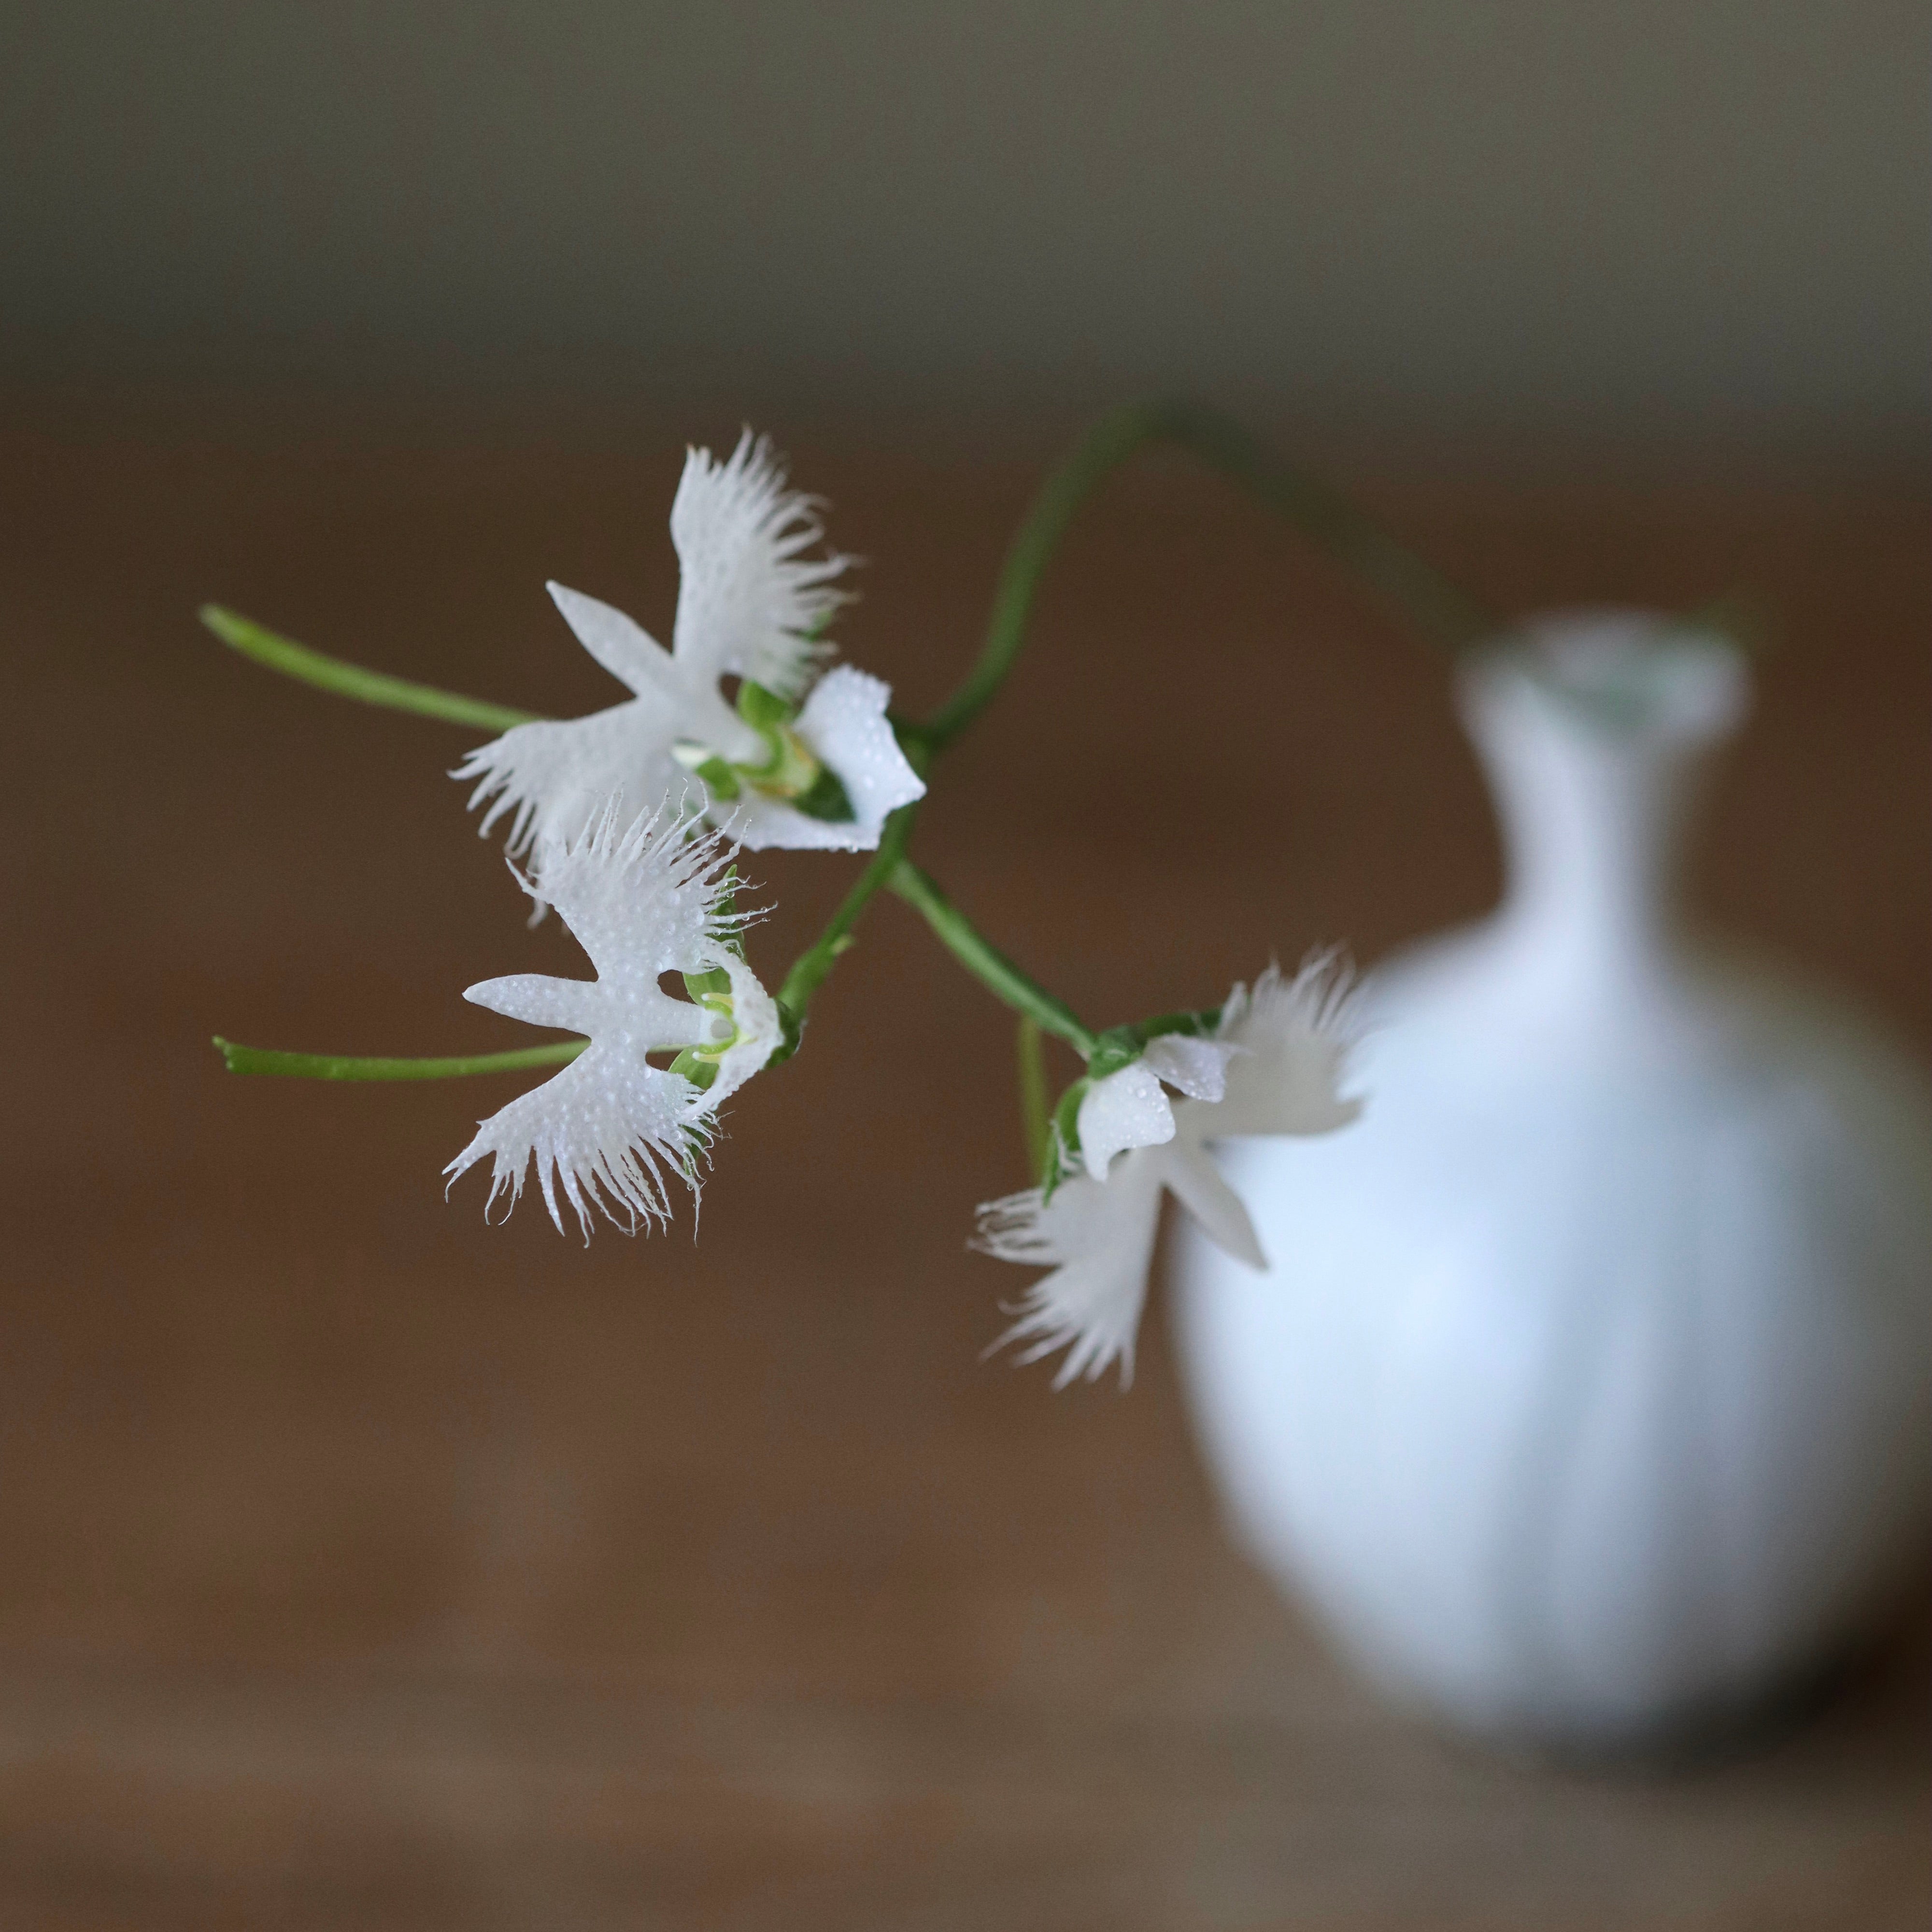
789,772
712,993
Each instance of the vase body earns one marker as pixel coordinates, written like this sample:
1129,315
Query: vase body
1588,1397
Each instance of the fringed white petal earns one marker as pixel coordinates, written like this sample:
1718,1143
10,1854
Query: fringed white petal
641,898
1127,1109
554,777
1197,1068
1298,1034
643,901
1097,1237
749,599
843,725
609,1128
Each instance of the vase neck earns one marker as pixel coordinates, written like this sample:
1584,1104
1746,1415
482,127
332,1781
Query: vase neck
1595,731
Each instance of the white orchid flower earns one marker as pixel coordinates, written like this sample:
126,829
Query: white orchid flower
1274,1065
642,902
749,605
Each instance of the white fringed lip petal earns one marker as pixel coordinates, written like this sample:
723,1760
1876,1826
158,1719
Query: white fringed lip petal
1100,1235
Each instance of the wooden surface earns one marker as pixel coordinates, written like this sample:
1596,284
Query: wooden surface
360,1567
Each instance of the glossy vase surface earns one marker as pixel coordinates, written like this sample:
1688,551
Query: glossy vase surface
1588,1398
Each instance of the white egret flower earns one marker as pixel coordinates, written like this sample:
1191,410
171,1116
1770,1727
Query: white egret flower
642,902
749,605
1274,1065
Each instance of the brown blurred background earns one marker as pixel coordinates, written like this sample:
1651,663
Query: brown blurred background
360,1566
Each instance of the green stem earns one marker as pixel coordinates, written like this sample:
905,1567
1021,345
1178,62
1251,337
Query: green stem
985,962
808,971
348,680
1034,1109
346,1066
1416,589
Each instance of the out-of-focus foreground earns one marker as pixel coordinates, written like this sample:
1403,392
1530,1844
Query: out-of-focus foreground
365,1567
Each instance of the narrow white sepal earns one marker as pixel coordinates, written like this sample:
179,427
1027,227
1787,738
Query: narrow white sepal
673,689
617,641
573,1005
1197,1184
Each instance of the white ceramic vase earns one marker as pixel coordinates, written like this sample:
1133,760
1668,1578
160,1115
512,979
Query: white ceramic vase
1588,1396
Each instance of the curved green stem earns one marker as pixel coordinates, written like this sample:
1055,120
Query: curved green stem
986,962
346,1066
347,680
1416,589
1420,592
1036,1126
808,971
